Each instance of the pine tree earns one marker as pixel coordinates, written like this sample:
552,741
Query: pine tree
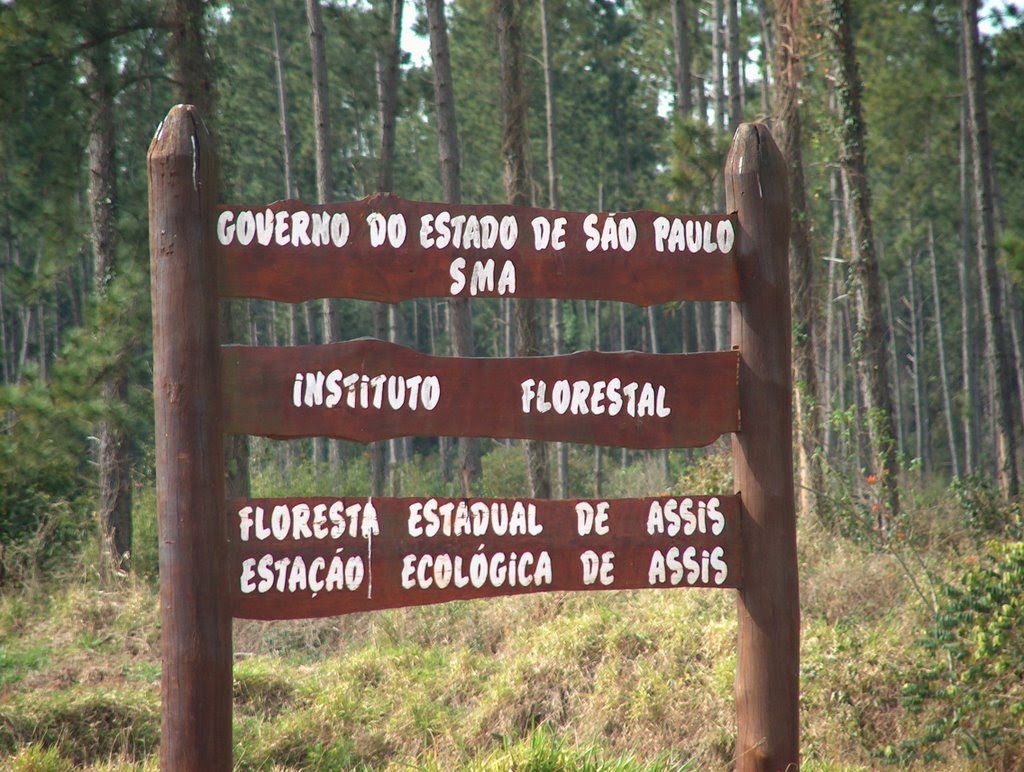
869,348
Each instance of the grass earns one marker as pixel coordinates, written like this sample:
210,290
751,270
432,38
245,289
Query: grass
591,681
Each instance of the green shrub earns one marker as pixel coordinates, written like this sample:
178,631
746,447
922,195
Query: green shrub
984,513
970,690
504,472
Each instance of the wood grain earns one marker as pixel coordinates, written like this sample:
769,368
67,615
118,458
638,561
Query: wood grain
410,534
195,619
483,397
294,272
768,653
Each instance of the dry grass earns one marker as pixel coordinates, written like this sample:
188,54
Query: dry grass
615,680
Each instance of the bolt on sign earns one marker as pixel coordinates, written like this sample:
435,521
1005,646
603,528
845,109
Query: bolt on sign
319,556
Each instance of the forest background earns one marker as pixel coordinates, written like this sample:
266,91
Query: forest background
900,123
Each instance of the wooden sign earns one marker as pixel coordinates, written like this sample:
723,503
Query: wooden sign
388,249
370,390
314,557
290,558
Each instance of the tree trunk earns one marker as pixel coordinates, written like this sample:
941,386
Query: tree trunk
192,79
115,486
767,54
384,456
387,97
460,317
809,432
282,106
290,190
1012,302
970,406
947,401
514,146
321,101
834,369
717,312
558,348
194,85
5,368
324,172
915,308
996,346
869,349
897,385
662,455
683,59
718,62
735,66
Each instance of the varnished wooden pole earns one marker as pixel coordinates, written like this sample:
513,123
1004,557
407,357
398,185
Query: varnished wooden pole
767,676
195,616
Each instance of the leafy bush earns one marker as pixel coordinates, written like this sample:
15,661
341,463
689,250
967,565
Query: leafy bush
47,427
985,514
42,474
971,689
302,477
709,472
504,472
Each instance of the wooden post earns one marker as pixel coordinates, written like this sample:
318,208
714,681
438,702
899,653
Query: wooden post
768,655
195,616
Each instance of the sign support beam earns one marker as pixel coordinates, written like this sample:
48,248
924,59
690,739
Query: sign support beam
194,581
768,656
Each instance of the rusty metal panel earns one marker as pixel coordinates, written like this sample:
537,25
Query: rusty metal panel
367,390
313,557
389,249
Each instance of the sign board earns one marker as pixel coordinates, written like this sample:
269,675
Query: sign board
369,390
314,557
387,248
288,558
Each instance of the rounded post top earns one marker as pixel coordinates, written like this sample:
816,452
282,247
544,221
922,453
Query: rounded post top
182,131
754,150
757,187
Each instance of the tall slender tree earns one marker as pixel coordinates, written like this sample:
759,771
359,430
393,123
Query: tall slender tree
386,66
735,65
514,143
557,324
282,105
460,316
682,59
947,401
193,82
115,485
324,170
288,169
870,349
387,61
997,353
809,430
969,410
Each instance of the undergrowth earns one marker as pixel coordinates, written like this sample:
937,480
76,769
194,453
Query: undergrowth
911,656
